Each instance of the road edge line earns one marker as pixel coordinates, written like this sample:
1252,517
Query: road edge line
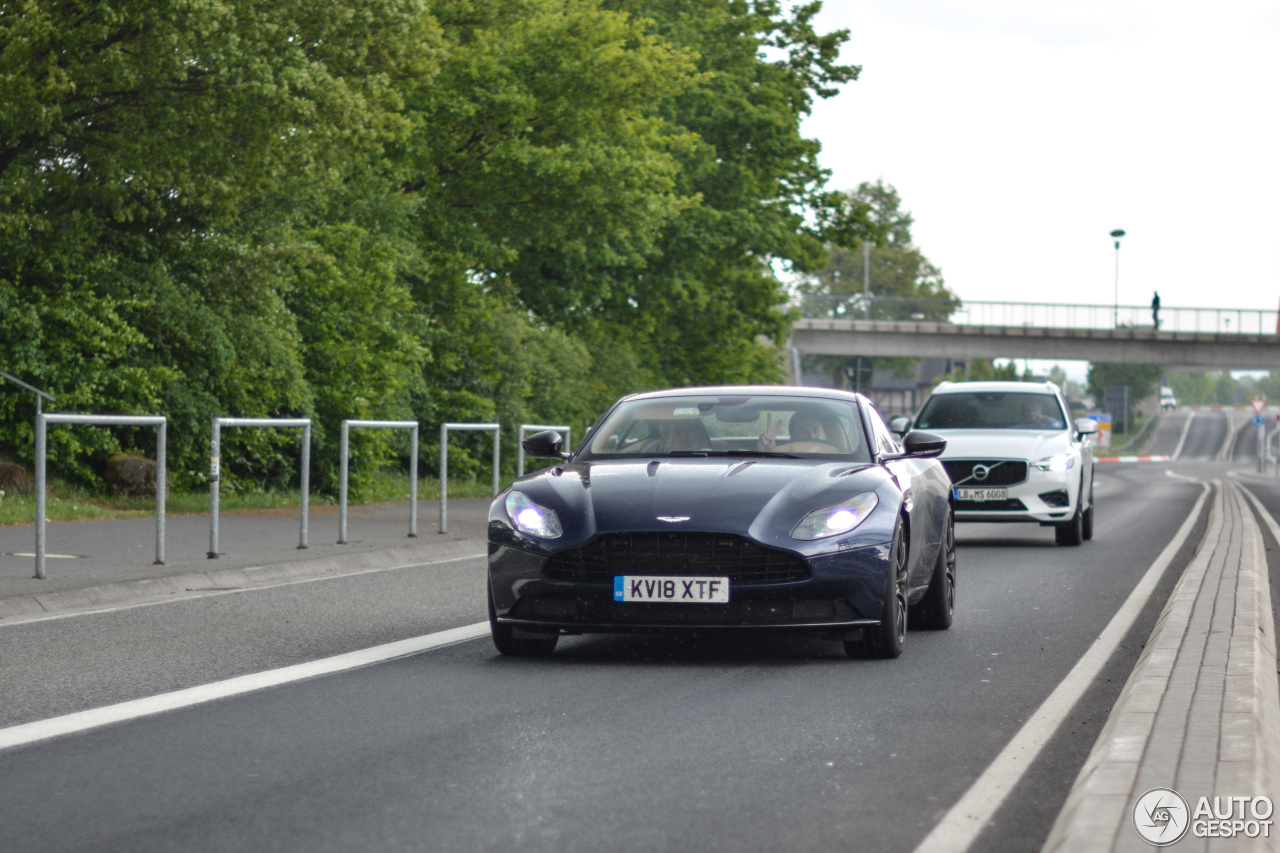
965,821
80,721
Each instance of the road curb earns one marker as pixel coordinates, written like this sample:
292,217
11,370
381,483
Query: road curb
184,584
1200,712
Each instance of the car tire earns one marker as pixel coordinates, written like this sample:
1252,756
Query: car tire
1072,532
886,639
1086,522
935,611
505,641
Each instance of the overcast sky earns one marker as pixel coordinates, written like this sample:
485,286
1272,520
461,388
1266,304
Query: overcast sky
1020,134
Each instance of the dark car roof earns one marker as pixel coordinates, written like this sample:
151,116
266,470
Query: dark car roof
776,390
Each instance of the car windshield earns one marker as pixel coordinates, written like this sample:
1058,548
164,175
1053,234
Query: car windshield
743,425
991,410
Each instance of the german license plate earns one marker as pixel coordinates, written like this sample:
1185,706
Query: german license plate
671,589
982,494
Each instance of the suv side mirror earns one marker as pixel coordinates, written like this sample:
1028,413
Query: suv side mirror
544,445
1086,426
900,425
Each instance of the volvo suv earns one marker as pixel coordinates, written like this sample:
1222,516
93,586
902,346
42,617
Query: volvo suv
1014,454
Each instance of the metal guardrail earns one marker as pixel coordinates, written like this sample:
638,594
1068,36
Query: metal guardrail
1052,315
215,462
344,458
445,429
42,422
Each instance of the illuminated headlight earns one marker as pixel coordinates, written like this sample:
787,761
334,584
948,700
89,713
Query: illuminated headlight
530,518
1058,462
834,520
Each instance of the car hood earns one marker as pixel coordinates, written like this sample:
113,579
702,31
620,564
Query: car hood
1003,443
762,498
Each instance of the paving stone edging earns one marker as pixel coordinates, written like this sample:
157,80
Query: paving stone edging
1200,712
167,587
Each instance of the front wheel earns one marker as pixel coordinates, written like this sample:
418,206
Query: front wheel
1072,532
886,639
1086,522
505,641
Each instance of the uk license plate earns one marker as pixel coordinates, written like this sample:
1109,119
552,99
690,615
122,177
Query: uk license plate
671,589
982,494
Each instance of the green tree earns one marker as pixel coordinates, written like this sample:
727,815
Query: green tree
903,283
1141,379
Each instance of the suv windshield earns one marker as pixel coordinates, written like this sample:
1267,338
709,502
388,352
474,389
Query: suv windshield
991,410
742,425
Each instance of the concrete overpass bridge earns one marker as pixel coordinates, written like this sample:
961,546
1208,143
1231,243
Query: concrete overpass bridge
1187,339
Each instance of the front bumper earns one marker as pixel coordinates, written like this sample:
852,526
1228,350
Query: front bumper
843,593
1044,497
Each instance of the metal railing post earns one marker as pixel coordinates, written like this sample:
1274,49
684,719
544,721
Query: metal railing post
444,477
343,458
306,486
162,487
41,445
215,463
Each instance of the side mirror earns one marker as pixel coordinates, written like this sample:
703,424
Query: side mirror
923,445
544,445
1086,426
900,425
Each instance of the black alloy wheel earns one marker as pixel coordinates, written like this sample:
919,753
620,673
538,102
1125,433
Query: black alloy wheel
505,641
886,639
937,609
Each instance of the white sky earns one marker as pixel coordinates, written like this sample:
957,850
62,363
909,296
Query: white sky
1020,134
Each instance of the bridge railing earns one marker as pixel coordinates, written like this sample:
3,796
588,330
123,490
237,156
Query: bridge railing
1055,315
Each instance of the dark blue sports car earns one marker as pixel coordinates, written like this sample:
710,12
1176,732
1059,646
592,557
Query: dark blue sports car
733,508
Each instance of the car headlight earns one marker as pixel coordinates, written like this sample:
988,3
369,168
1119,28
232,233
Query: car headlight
1057,462
530,518
834,520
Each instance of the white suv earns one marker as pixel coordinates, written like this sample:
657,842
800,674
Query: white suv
1013,454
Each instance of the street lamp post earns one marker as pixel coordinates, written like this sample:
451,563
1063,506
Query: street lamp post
1117,234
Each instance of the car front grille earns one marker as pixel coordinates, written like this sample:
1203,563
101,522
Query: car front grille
1000,472
735,613
675,553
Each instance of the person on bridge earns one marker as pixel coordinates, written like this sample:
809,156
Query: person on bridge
1155,311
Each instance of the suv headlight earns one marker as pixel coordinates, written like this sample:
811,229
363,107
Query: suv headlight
834,520
1058,462
530,518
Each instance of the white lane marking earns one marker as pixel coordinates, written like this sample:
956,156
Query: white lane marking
48,556
170,598
1175,475
960,826
187,697
1182,439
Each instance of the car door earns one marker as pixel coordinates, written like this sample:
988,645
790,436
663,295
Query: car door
925,487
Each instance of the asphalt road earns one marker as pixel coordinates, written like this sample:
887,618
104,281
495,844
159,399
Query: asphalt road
614,743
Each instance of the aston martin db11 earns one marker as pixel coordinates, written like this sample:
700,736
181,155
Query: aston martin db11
727,509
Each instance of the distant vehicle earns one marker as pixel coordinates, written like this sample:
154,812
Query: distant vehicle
1169,402
727,509
1014,454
